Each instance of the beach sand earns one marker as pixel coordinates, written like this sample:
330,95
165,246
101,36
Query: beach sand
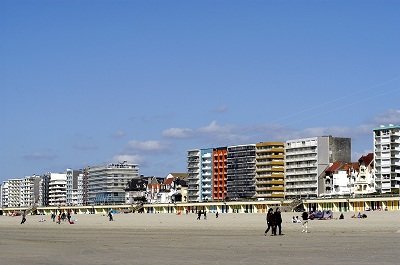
181,239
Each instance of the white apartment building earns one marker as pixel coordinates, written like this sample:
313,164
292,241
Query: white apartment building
30,191
306,159
11,193
106,184
74,187
194,175
57,189
387,158
206,175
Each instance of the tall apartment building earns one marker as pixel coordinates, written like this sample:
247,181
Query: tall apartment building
387,158
206,175
74,187
241,172
270,170
30,191
106,184
193,170
306,159
11,193
57,189
199,167
220,159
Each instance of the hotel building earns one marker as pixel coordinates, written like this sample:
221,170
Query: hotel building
387,158
74,187
269,170
306,159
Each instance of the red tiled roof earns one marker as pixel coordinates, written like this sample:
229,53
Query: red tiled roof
367,159
334,167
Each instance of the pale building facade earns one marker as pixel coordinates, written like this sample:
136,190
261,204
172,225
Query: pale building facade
194,175
306,160
57,189
106,184
387,158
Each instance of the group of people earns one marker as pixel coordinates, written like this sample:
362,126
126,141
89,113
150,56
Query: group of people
274,221
62,216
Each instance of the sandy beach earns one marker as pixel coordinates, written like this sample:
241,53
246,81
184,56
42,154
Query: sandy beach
181,239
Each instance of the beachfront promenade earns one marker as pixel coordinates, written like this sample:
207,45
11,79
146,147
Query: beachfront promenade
389,203
181,239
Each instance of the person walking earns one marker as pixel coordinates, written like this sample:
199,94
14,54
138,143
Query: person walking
205,215
198,215
23,217
278,221
270,221
110,216
304,224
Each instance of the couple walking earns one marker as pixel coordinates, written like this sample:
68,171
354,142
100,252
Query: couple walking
274,220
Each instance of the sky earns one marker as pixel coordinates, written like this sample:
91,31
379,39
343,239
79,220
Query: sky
86,83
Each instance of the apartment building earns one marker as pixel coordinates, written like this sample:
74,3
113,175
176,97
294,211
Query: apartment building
57,189
219,177
241,172
306,159
206,175
30,191
194,175
74,187
387,158
199,167
106,184
269,170
11,193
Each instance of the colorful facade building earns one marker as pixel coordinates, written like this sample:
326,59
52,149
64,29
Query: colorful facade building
219,178
269,170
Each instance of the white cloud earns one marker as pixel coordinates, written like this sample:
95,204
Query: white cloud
177,133
147,146
136,159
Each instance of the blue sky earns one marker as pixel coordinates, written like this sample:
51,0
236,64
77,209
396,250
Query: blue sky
91,82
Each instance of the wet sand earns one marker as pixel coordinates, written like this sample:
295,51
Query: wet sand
181,239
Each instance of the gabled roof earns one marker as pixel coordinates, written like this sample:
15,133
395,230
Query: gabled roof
367,159
334,167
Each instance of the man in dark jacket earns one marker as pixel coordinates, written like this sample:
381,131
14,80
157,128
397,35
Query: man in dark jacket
277,221
270,220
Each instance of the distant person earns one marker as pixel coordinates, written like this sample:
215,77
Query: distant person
23,217
216,215
277,221
297,219
205,215
110,216
304,224
53,216
359,215
270,221
294,220
69,217
341,216
198,215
